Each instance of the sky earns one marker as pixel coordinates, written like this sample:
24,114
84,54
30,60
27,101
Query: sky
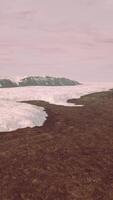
71,38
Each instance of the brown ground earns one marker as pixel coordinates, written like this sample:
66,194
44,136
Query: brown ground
70,158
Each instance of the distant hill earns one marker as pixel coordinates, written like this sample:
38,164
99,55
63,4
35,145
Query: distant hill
7,83
37,81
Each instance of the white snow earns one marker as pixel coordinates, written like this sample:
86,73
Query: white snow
55,95
14,114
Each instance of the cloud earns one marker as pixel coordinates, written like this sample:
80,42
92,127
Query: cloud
56,37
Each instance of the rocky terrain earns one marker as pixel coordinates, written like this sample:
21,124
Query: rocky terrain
36,81
69,158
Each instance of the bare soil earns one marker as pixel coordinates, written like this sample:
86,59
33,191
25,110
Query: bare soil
69,158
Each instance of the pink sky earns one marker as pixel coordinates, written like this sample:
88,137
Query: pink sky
72,38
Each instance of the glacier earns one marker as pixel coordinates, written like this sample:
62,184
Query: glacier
16,114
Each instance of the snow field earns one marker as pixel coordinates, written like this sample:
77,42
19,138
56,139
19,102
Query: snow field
14,114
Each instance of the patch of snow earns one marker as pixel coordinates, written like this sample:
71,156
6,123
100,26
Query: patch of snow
14,115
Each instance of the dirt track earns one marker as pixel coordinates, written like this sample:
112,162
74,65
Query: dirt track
69,158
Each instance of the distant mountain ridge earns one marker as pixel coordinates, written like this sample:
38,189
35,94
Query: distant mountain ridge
37,81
